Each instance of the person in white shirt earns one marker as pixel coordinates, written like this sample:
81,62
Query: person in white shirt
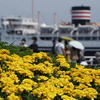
23,43
59,47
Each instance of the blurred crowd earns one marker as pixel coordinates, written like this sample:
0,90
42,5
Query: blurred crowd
71,53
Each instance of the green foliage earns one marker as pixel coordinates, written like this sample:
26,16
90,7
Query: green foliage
21,51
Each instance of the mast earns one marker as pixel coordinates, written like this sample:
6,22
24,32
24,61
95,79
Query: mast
54,18
32,10
38,20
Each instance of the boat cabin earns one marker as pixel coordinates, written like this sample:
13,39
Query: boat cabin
19,26
86,29
66,29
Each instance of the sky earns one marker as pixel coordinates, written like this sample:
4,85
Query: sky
47,9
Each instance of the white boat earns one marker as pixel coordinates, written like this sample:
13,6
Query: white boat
14,29
88,35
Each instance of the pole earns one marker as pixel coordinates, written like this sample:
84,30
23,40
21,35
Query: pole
32,10
38,20
54,18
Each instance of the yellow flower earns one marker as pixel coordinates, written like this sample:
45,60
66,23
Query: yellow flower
79,66
90,93
81,86
65,64
10,89
37,55
97,82
66,97
1,98
28,59
13,97
2,57
7,81
65,77
42,78
47,63
15,57
4,51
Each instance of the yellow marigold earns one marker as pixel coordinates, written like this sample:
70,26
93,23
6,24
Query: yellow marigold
28,73
81,86
47,63
16,57
30,82
28,58
60,56
61,60
48,58
67,90
23,87
10,89
0,70
1,98
43,54
79,66
78,93
27,66
67,65
8,57
2,57
42,78
13,97
46,90
59,72
7,81
13,76
97,82
66,77
4,51
66,97
37,55
90,93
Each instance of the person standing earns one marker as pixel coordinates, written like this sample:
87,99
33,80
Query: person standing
83,61
96,60
34,47
53,47
23,43
59,47
74,54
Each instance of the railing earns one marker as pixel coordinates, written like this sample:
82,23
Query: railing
89,59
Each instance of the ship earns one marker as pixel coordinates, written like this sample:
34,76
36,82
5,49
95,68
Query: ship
14,29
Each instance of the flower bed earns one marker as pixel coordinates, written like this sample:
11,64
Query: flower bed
39,77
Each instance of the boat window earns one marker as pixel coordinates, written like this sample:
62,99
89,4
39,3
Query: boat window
99,38
87,38
11,32
80,38
55,38
42,38
63,31
74,38
48,38
94,38
47,30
